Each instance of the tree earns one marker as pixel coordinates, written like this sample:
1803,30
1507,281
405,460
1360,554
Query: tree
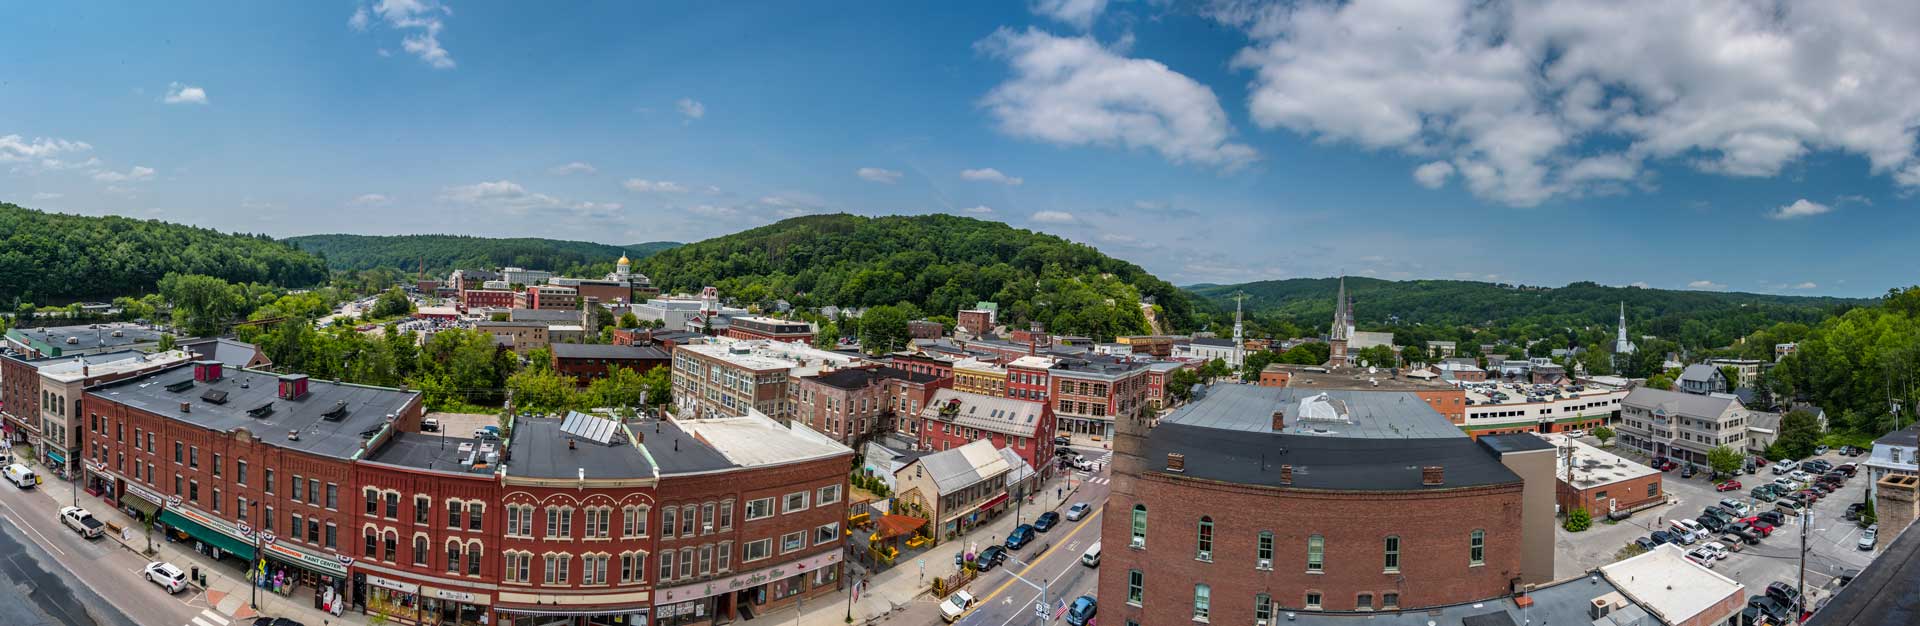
1180,383
1733,376
828,337
167,342
1799,433
1604,434
1413,354
1725,460
1578,520
1378,356
659,385
392,303
202,305
1215,369
621,387
883,329
543,391
629,320
1661,381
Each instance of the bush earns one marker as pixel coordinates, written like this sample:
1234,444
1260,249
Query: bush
1578,520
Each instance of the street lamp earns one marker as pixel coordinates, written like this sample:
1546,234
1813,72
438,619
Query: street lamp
253,565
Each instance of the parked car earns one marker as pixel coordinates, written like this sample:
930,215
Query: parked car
1741,535
1774,517
430,425
274,621
1848,468
1713,523
1727,486
1763,527
1853,511
990,557
1800,476
1062,441
1870,538
1785,593
1646,543
1046,521
1765,606
956,605
1820,449
1703,556
1763,495
21,477
1575,433
1663,537
1078,511
81,522
1081,612
1759,460
1020,537
1688,471
1718,549
1784,466
1736,506
165,575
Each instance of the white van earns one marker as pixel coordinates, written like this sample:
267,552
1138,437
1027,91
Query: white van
21,477
1092,557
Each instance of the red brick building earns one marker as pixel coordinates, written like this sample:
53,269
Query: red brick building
550,297
1248,504
975,322
666,339
1029,378
748,327
586,361
851,404
487,298
955,418
924,329
932,364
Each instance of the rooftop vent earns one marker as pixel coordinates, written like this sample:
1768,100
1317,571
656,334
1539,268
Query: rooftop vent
1433,475
261,411
214,396
337,413
1176,462
180,386
293,435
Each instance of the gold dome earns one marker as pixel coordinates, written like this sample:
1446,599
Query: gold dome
624,261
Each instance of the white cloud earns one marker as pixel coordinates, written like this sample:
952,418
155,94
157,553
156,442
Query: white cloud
512,198
1807,285
1072,91
576,167
137,174
1516,95
421,19
48,195
1800,208
652,186
1707,285
978,210
990,175
877,175
1076,13
1053,217
1638,283
370,199
14,148
691,108
184,94
1433,175
711,210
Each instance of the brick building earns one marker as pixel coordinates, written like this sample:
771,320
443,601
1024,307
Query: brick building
1257,500
975,322
487,298
666,339
931,363
976,376
854,403
1157,373
586,361
1089,393
723,380
1029,378
43,399
552,297
924,329
1599,481
954,418
751,327
521,337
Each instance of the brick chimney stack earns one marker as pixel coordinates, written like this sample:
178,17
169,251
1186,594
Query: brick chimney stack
1433,475
1896,502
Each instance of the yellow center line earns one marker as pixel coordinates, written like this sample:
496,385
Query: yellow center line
1036,561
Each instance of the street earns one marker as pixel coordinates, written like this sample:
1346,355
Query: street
1052,560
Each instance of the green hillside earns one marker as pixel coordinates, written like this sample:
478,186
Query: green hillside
48,257
447,252
939,263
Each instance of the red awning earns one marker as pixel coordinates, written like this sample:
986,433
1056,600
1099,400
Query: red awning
992,502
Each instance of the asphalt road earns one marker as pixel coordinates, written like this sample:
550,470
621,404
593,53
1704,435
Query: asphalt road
51,574
1052,561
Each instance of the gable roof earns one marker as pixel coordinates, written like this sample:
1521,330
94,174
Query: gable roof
959,468
1677,403
1700,372
1007,416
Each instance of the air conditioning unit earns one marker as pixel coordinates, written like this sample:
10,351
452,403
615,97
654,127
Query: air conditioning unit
1206,555
1265,564
1138,542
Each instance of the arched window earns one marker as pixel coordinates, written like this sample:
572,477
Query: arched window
393,547
420,550
1478,543
1393,553
473,558
1139,526
373,543
453,557
1203,546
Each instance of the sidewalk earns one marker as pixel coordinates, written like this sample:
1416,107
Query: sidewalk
227,591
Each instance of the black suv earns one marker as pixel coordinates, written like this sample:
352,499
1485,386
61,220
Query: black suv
1713,522
1772,517
1785,593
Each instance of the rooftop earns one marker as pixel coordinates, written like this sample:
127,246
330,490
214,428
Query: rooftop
755,440
71,368
604,351
862,377
1317,377
675,451
541,449
1883,593
1908,437
432,452
1670,586
86,337
1592,467
1008,416
1104,367
1354,413
1666,402
233,352
1032,362
956,469
1213,341
741,357
1496,392
543,315
1561,603
333,419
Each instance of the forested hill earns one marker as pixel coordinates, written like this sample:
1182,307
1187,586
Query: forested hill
939,263
51,257
1308,302
443,253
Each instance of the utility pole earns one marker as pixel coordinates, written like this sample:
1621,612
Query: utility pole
1805,520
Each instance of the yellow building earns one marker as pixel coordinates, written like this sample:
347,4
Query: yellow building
976,376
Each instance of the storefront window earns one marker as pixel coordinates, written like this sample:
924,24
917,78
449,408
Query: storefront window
392,604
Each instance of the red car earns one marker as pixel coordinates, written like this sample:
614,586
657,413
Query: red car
1765,529
1727,486
1760,461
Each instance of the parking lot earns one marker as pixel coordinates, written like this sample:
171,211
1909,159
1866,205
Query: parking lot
1831,541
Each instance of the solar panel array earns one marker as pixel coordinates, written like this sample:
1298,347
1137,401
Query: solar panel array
591,427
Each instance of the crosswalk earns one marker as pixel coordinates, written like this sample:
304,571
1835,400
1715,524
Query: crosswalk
1091,480
208,617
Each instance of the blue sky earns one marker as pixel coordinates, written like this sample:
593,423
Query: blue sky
1673,144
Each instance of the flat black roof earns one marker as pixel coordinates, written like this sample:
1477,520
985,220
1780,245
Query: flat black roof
1515,442
605,351
249,392
1329,463
540,451
860,377
676,451
1884,593
427,451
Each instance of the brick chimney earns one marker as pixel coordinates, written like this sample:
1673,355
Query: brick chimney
1896,503
1433,475
208,371
1176,462
1279,420
1286,474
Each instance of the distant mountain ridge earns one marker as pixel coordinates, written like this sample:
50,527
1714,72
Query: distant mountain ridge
46,257
443,253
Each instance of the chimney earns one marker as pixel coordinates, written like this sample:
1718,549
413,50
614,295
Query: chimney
1176,462
1432,475
1286,474
293,386
186,407
1896,503
207,371
1279,420
570,444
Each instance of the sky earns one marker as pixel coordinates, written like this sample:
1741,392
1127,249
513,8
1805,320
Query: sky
1711,145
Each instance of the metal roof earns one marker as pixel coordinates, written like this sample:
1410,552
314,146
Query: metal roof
1368,414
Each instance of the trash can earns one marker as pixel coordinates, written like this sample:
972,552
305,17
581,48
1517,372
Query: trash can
193,574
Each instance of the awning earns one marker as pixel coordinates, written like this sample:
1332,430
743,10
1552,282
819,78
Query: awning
140,504
993,501
892,526
636,611
219,539
57,456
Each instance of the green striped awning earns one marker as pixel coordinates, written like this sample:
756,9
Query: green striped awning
225,542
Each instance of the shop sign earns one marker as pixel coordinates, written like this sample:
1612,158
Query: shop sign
97,467
456,596
315,562
747,580
392,584
144,493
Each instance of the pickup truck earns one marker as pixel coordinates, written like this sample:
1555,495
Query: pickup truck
81,522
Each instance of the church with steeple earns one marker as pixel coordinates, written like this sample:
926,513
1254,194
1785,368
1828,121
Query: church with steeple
1344,340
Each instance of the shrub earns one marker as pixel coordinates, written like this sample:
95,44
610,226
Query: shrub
1578,520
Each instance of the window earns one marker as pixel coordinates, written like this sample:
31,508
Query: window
686,562
1263,607
1203,547
333,496
1390,600
668,517
726,517
333,535
393,505
240,471
216,499
269,482
179,452
593,569
1393,553
793,541
1316,551
1139,526
633,521
706,518
454,514
1263,554
473,560
759,509
559,521
826,533
756,550
596,523
557,564
216,464
476,514
1202,602
827,495
666,565
373,502
516,567
193,490
266,520
372,540
422,508
795,502
706,560
1313,600
453,557
392,545
1136,586
723,557
1478,544
1363,602
420,550
633,567
687,514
